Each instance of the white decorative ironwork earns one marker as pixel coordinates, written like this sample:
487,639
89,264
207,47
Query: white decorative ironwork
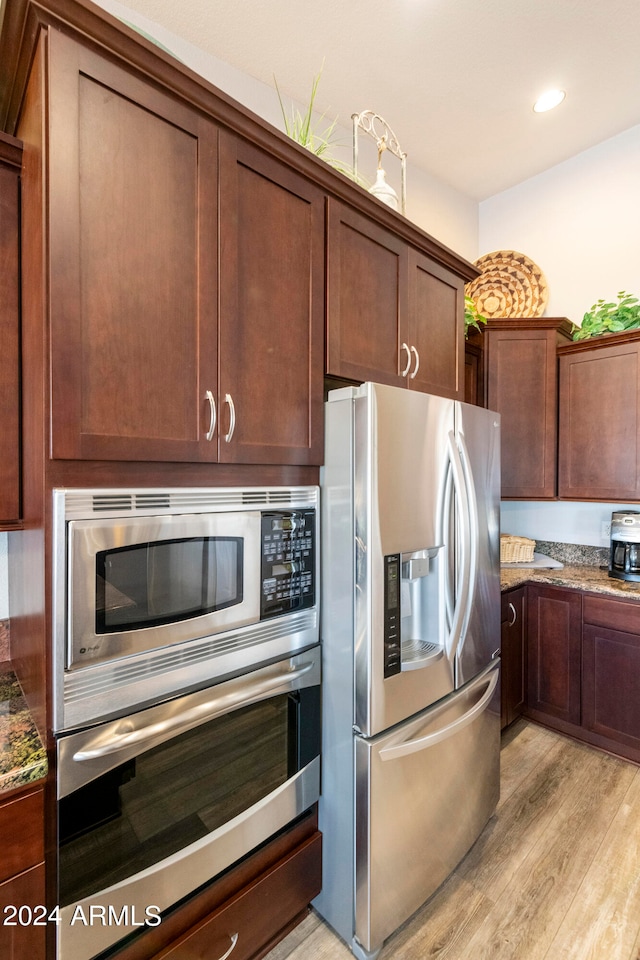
376,127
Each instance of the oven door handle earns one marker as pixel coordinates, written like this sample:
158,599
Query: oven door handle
154,733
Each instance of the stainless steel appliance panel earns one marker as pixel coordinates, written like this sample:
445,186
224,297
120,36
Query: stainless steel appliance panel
399,488
154,805
424,792
87,538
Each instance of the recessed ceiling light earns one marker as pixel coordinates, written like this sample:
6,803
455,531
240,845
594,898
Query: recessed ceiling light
549,100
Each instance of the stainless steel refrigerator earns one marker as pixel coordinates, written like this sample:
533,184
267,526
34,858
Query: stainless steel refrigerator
411,647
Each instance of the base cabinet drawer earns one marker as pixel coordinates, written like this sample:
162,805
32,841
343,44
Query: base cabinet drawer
255,918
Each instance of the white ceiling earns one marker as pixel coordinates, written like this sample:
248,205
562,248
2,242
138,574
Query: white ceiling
455,79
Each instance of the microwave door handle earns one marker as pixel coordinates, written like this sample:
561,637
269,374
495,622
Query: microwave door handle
156,733
430,739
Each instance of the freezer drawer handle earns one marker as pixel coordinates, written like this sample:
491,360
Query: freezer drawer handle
201,713
414,746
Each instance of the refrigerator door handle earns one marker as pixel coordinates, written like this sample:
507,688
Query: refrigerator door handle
473,530
461,607
430,739
444,513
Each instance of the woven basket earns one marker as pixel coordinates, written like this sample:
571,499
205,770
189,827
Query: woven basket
516,549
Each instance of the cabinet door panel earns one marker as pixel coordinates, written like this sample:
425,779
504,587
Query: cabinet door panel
9,338
611,684
521,385
366,299
436,330
21,833
512,655
554,652
133,250
599,443
271,309
24,890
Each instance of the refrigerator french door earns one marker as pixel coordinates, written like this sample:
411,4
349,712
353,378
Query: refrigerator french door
411,643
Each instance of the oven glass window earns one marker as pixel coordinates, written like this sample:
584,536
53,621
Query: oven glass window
161,801
149,584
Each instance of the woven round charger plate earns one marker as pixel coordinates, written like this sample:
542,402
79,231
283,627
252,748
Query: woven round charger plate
510,285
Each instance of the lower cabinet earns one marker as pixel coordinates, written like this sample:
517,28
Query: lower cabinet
512,629
611,674
554,627
248,910
583,666
22,884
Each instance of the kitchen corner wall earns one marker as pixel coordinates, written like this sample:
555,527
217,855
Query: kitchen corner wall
579,222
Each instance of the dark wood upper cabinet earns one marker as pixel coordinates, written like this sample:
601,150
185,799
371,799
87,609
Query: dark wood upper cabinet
272,268
10,163
599,441
436,327
394,315
143,365
132,189
367,299
520,372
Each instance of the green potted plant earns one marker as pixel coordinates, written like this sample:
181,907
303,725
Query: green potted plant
471,316
605,317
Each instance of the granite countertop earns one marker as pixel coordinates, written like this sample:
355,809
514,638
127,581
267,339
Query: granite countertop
585,568
22,756
580,576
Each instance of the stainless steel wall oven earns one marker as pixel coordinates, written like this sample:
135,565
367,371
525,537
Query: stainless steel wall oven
187,693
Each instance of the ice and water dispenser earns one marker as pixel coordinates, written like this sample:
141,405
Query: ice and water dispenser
413,598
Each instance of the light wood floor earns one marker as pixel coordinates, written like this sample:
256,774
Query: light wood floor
554,876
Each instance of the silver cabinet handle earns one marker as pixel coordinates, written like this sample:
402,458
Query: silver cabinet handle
212,415
234,940
514,615
406,369
232,417
417,356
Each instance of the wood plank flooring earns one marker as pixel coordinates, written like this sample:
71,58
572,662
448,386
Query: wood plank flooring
554,876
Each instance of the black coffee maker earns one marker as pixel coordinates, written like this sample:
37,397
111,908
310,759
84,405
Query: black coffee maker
624,557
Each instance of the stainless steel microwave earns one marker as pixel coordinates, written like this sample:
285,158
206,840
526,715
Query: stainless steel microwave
193,583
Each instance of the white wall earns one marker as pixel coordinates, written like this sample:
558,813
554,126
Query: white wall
561,521
578,222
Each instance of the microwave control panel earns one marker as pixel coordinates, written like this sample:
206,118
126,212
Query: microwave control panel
288,561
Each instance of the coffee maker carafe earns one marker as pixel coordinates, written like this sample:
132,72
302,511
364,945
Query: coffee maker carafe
624,556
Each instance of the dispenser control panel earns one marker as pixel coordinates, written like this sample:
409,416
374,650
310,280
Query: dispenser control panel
392,654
